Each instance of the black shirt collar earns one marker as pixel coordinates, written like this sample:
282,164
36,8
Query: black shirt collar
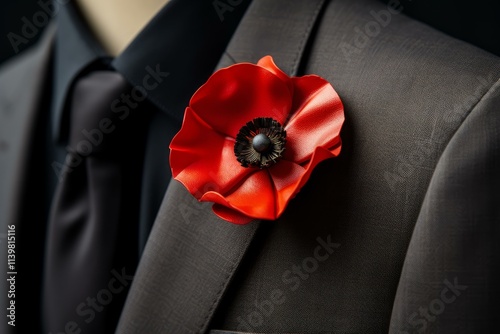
185,39
75,49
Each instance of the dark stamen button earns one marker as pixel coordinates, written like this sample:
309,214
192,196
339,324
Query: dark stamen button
261,143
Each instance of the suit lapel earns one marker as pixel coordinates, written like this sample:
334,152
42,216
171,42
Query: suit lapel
191,255
21,85
277,28
20,88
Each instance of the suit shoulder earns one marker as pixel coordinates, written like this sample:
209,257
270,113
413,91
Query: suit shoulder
27,64
398,74
364,28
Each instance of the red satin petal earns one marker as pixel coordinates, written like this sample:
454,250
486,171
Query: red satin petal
285,175
202,159
317,120
254,197
268,63
236,95
231,215
289,177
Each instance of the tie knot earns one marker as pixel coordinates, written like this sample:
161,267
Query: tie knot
95,123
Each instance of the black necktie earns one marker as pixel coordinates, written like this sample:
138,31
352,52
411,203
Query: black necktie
92,250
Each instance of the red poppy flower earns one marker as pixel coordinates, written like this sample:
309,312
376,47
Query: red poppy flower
251,137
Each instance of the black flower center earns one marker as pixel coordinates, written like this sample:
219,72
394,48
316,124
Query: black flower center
260,143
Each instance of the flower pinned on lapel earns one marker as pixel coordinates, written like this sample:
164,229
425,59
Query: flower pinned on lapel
251,137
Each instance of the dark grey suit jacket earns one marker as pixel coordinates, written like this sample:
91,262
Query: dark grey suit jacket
398,234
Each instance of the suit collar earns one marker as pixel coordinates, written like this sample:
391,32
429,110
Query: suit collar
191,255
